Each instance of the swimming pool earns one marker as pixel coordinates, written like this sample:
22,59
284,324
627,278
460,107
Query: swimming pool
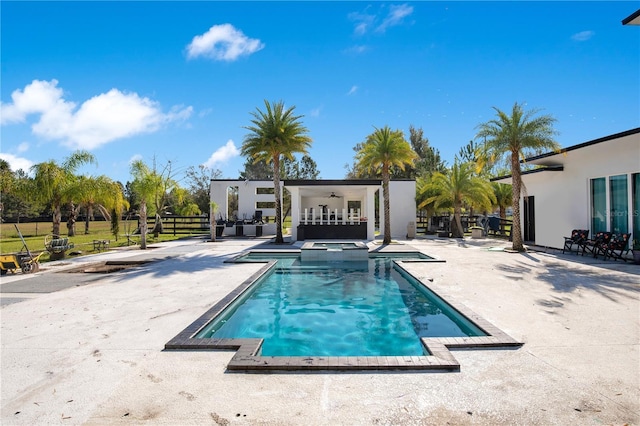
414,346
370,308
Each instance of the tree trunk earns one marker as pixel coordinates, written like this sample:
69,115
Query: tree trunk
456,232
516,229
115,223
86,220
143,225
158,227
57,218
276,192
503,213
71,223
387,209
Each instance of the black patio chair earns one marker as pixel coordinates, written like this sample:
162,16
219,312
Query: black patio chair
618,247
578,236
596,245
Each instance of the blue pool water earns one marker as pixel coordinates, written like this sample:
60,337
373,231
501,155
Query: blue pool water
370,308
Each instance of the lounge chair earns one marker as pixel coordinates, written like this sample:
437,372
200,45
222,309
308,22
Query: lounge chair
578,236
617,247
597,244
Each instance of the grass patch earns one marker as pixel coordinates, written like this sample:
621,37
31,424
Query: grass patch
34,235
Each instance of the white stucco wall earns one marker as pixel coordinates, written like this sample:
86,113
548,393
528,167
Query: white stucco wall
562,198
247,199
402,197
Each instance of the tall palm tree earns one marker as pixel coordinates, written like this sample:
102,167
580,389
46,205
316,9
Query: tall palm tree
275,133
52,182
453,189
383,150
517,136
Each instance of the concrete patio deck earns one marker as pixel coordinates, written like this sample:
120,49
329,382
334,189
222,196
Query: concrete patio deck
88,348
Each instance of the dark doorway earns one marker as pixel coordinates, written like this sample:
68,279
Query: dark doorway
529,219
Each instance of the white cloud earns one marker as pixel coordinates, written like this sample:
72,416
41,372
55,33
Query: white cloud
315,112
396,15
16,163
23,147
37,97
224,43
222,155
363,21
352,91
582,36
102,119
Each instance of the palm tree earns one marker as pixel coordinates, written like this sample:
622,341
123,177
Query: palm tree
455,188
517,136
502,192
275,134
52,182
153,188
99,193
383,150
424,192
144,186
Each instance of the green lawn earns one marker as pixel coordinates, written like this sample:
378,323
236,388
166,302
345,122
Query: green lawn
35,233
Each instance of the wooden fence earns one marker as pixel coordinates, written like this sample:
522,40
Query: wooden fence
182,224
497,227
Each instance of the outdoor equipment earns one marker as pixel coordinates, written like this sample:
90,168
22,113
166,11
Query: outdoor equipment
23,260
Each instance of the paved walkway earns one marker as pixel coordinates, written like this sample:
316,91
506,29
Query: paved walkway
81,348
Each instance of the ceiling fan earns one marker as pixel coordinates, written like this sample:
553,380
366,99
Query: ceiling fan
333,195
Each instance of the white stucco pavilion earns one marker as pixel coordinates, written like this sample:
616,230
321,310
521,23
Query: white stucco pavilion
321,209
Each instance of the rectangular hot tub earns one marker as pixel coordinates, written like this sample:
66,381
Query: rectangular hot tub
334,251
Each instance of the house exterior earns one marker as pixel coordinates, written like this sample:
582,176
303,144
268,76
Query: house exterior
320,209
593,185
633,19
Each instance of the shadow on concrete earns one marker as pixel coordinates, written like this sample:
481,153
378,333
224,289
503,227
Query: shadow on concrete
566,277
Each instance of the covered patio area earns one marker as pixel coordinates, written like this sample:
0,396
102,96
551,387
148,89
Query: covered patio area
323,208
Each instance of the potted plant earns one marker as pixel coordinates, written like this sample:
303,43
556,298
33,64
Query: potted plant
635,249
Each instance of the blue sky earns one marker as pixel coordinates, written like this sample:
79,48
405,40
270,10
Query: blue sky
178,80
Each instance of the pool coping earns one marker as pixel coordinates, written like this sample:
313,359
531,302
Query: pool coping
248,359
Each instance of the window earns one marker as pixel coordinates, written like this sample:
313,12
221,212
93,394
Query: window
266,205
260,191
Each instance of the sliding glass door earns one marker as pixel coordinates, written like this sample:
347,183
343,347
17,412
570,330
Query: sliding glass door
619,204
598,205
615,204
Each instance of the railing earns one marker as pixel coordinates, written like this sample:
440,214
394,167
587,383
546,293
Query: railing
331,217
